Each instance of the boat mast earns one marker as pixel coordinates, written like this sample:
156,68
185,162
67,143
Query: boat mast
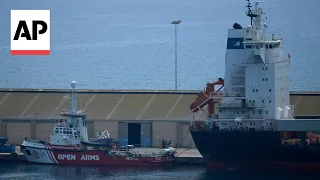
73,98
76,117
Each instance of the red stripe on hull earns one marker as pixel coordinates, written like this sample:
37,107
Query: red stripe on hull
30,52
213,166
49,154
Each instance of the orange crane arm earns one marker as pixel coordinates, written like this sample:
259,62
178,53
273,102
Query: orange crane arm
199,102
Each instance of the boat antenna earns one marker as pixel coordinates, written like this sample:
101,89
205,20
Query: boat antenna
249,11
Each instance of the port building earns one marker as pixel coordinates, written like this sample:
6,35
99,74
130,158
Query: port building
143,118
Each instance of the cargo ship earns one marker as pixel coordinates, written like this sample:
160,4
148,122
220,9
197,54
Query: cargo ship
70,145
249,123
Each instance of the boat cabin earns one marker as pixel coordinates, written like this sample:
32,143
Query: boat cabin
65,135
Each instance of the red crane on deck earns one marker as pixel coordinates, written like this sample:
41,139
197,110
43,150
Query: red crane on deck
202,99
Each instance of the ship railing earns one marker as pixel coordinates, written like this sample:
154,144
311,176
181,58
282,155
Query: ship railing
239,70
146,153
236,105
234,94
242,79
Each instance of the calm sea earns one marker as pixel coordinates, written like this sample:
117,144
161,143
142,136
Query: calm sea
125,44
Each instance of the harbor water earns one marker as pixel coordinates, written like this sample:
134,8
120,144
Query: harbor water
13,171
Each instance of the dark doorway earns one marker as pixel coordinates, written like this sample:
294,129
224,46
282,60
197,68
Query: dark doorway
134,134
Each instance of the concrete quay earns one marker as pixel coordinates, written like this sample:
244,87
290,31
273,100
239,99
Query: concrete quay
183,156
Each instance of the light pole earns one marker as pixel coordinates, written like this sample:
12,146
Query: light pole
176,22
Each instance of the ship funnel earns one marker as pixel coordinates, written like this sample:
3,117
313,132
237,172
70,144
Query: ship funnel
278,113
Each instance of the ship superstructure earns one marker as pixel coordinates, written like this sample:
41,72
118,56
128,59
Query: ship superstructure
256,83
250,119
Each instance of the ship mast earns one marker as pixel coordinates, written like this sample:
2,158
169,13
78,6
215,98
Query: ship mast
255,18
249,12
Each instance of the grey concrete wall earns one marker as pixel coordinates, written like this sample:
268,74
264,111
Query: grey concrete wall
177,131
164,130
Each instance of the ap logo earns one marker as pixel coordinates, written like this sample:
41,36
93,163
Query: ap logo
30,32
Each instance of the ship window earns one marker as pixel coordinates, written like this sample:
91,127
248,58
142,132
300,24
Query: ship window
253,101
262,101
56,131
262,68
267,113
269,90
250,123
60,132
253,112
256,90
262,79
266,68
266,79
259,112
237,112
269,101
248,46
74,133
252,90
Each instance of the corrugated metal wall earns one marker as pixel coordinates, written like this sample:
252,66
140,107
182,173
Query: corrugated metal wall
123,133
152,132
17,132
146,135
44,130
164,130
185,138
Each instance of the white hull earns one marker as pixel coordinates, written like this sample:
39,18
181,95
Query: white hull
38,153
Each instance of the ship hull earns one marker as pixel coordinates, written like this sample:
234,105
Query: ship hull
249,150
64,155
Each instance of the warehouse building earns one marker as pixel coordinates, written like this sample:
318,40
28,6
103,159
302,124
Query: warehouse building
136,117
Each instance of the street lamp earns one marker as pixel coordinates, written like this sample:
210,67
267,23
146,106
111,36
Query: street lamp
176,22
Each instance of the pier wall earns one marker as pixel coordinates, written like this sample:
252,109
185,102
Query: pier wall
161,114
